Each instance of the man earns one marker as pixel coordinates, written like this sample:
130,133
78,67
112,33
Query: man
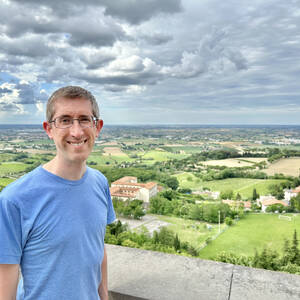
53,219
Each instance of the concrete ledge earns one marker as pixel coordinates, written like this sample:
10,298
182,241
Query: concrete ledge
136,274
250,283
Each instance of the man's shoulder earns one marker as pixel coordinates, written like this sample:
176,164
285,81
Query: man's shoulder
22,185
97,174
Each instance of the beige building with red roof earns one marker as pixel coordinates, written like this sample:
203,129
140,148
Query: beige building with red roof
128,188
266,201
236,204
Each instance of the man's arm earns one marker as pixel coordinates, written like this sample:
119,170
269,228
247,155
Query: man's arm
9,277
103,288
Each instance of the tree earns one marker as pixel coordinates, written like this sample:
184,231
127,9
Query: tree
138,212
238,197
172,182
275,207
255,195
228,221
177,243
287,253
276,191
295,259
155,238
169,194
192,251
166,236
228,194
196,212
295,202
156,204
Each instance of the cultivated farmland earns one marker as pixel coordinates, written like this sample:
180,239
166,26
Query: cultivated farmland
243,186
230,162
286,166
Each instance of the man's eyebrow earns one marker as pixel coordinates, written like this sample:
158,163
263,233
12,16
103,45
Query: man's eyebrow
64,116
69,116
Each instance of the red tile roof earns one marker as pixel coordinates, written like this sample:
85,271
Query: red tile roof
296,190
273,201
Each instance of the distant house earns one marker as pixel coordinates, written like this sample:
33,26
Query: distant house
232,203
214,195
128,188
266,201
290,193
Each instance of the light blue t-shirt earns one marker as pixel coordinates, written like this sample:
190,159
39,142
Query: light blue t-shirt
54,228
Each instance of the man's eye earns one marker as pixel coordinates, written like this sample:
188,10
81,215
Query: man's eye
65,120
85,120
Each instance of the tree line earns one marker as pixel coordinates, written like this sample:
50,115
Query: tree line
288,261
164,240
142,174
169,203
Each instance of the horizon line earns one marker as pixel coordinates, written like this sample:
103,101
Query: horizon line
173,124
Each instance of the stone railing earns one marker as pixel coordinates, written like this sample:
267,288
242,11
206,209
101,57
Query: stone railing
139,274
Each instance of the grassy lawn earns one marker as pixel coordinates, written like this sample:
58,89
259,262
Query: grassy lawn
244,186
261,187
253,232
190,231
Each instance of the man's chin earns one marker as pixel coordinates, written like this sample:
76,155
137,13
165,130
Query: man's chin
78,158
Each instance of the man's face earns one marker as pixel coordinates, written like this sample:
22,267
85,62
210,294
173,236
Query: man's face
73,144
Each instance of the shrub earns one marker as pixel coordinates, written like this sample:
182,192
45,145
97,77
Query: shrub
228,221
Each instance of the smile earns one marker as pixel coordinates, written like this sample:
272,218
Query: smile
77,143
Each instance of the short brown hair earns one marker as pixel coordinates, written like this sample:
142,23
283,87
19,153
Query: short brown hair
71,92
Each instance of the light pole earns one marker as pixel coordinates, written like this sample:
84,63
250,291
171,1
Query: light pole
219,222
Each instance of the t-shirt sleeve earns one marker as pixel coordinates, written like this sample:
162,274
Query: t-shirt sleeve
111,216
10,233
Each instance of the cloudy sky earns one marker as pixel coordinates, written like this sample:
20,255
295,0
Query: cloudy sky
154,61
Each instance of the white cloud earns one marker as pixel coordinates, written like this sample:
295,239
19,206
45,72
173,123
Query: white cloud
171,56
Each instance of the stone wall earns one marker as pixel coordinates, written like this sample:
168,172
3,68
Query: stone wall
139,274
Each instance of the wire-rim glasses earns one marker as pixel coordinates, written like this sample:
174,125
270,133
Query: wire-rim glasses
64,122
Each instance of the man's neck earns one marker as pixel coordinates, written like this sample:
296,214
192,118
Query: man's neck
66,170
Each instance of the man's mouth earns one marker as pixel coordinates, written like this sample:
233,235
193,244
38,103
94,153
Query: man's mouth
77,143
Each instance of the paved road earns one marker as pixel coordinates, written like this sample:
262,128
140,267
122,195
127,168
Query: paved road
152,223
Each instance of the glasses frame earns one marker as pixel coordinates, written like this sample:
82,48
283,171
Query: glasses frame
94,119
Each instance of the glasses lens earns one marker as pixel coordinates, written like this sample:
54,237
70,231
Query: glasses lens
86,121
67,122
63,122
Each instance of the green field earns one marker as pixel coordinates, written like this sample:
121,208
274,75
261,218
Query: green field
101,159
156,155
5,181
6,156
190,231
244,186
186,149
253,232
12,167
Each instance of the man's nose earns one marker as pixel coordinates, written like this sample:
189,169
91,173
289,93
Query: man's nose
76,130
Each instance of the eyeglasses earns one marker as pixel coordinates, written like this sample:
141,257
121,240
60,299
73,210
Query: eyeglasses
64,122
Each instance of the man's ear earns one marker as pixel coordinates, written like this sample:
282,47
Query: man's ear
99,126
47,127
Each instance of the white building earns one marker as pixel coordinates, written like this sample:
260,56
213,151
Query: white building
266,201
128,188
289,194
